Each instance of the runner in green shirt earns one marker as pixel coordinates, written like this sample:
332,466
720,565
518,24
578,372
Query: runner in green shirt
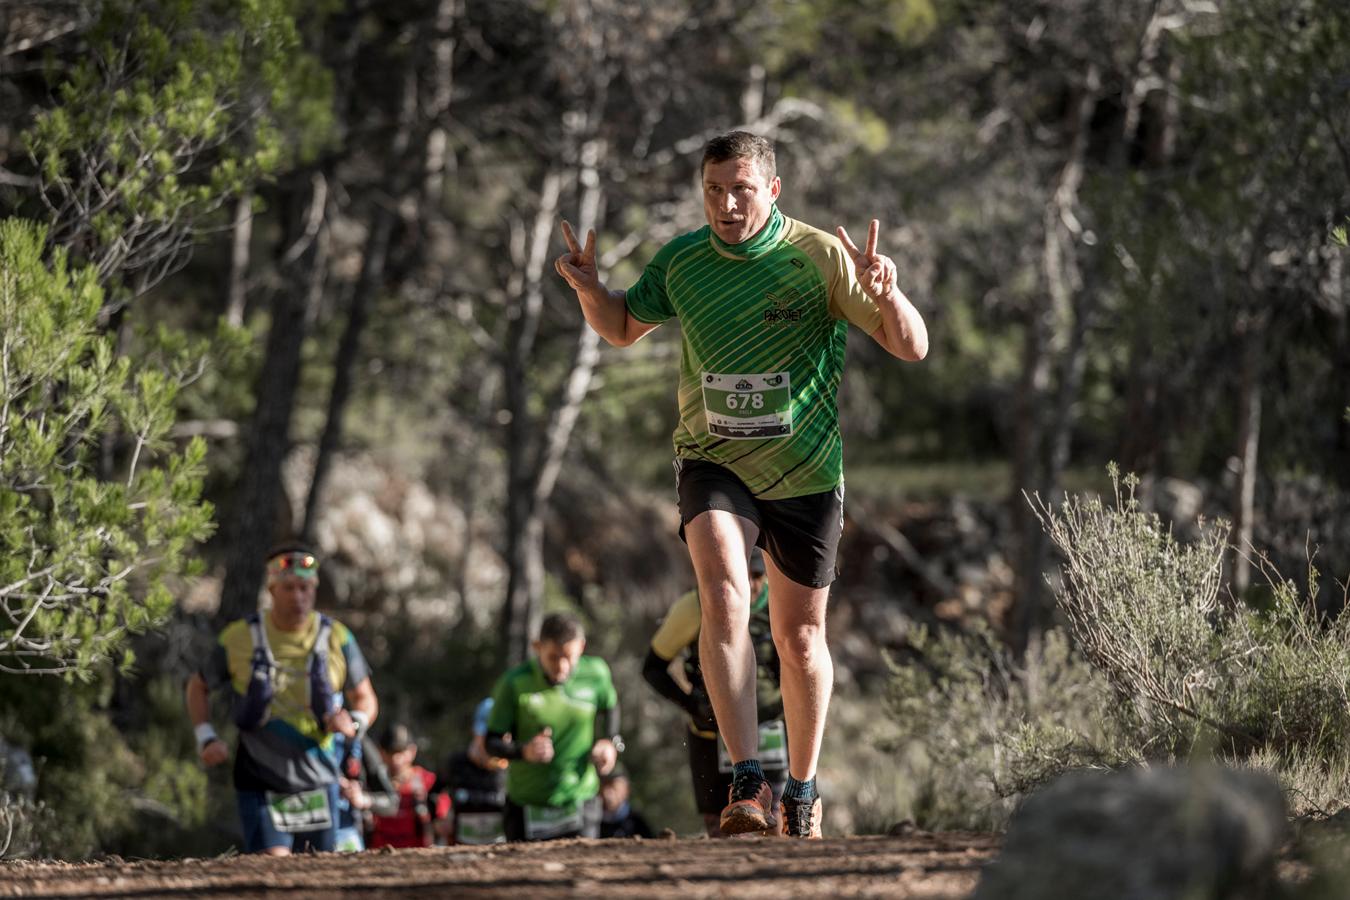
764,304
556,718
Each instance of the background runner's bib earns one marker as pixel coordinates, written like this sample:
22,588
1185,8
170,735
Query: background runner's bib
303,811
743,407
772,749
544,822
479,828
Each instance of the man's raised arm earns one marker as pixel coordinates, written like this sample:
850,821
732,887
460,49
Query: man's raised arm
605,310
903,333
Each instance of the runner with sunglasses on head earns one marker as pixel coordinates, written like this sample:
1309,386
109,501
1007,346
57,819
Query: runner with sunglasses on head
764,304
286,671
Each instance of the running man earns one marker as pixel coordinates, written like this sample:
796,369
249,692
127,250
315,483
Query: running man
286,671
563,712
709,765
763,303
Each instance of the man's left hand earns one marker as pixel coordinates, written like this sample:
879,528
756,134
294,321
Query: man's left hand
876,273
605,756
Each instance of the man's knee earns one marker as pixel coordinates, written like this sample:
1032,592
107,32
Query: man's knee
802,646
724,609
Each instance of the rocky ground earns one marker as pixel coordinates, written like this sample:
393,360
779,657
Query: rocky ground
916,867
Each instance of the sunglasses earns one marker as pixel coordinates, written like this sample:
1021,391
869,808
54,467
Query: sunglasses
301,565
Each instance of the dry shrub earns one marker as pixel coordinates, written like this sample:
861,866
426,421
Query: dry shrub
1157,665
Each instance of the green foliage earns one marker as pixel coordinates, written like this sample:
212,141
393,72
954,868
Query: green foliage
1147,613
100,790
975,727
176,107
83,764
1159,669
83,559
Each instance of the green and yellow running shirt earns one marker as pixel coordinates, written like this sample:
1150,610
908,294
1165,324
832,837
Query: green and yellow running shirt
524,703
764,325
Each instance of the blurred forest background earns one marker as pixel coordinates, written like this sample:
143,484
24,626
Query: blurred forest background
284,266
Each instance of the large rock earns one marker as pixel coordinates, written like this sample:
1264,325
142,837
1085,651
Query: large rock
1201,833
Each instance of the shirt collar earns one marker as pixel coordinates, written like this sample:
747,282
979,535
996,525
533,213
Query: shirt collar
758,244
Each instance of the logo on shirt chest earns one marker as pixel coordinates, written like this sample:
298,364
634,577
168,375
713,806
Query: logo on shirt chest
784,307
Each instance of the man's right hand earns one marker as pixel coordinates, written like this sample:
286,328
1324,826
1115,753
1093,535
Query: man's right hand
577,265
213,752
539,749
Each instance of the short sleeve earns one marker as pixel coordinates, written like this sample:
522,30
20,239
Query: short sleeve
502,719
680,629
216,671
847,300
606,697
357,668
647,299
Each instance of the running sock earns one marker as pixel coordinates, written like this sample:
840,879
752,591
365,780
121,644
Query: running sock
748,768
800,791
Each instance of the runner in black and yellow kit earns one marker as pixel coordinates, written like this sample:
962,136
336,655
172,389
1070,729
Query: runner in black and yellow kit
709,764
764,304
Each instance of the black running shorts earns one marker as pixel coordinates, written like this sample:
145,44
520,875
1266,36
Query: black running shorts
800,533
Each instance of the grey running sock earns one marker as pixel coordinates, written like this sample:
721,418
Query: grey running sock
748,768
800,791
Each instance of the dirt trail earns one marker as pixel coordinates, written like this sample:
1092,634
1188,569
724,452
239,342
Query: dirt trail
915,867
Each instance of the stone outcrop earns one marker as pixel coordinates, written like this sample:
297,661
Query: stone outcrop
1203,833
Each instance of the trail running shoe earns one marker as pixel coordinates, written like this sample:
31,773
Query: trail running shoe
799,819
750,809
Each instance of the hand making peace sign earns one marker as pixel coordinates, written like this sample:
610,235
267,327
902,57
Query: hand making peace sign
577,267
876,273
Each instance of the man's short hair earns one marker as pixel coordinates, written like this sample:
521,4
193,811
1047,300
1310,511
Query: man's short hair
560,628
395,737
741,145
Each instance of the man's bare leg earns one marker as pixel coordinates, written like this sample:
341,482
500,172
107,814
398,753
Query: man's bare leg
797,617
719,545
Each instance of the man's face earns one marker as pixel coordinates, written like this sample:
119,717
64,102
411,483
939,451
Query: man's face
737,198
292,596
558,660
399,761
614,793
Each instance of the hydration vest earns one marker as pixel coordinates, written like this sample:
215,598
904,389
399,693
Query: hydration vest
252,709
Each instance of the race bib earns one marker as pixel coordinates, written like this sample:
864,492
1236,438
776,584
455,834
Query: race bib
772,751
747,407
544,822
305,811
479,828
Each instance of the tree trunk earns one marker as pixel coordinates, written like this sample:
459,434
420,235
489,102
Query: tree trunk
1056,330
253,523
1249,434
533,470
241,237
469,489
524,573
438,138
344,364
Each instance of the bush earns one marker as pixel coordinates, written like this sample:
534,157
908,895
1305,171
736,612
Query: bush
978,728
1157,666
